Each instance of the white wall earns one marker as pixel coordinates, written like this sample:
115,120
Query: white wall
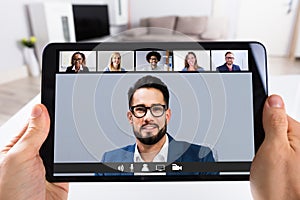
268,22
14,26
14,21
146,8
229,11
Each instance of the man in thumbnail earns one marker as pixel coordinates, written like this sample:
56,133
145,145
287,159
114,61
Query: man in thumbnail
77,63
149,114
228,65
153,58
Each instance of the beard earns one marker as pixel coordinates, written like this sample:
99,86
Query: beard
152,139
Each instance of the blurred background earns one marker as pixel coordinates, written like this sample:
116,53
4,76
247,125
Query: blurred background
275,23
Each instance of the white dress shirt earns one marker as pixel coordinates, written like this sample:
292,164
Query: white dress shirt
160,157
81,68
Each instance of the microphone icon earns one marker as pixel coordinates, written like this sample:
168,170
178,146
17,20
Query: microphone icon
131,167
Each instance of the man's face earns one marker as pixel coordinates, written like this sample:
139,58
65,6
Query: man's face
149,129
153,60
229,58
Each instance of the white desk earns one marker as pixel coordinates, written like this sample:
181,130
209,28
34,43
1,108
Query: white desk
287,86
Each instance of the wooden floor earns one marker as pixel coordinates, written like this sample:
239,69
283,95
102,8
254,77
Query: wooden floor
16,94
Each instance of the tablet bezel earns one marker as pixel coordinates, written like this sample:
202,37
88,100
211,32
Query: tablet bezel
51,67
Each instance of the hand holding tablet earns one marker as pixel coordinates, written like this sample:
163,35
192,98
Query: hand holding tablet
180,124
261,184
22,173
271,126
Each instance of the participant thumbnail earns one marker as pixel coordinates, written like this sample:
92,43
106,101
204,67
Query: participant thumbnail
110,61
229,60
154,60
77,61
192,60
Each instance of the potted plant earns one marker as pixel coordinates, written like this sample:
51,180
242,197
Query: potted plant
29,56
29,42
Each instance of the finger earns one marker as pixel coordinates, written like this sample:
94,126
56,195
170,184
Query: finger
37,130
62,186
275,119
57,190
14,140
293,133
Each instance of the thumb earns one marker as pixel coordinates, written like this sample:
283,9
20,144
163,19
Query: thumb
275,120
37,130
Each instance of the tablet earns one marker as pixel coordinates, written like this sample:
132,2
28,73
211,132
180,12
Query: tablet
163,111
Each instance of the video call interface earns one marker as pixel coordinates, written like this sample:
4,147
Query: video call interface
157,60
207,124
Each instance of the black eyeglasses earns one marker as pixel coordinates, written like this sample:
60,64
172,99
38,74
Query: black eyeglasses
157,110
77,59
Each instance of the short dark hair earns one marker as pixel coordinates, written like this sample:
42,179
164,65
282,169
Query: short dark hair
153,53
228,52
149,82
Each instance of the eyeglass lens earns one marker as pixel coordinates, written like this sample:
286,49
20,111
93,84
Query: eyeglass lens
141,111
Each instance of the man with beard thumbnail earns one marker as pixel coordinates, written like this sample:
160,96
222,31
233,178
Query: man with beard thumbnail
149,114
228,66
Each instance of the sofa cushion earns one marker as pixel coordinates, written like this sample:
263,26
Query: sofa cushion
167,22
158,38
191,25
136,31
144,22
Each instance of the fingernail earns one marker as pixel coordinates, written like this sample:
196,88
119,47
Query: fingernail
36,111
275,101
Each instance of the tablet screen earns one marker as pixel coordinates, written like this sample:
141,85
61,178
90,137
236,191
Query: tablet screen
166,112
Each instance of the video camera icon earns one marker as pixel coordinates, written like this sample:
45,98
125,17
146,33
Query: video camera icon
176,167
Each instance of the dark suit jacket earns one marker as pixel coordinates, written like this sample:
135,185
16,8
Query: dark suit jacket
224,68
178,151
84,69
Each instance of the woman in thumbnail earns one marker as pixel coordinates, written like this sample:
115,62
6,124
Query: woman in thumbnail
190,63
77,63
114,63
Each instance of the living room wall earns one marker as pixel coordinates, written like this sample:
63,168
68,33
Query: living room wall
146,8
15,26
14,23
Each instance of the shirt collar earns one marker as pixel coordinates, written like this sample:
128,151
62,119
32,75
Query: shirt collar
73,68
160,157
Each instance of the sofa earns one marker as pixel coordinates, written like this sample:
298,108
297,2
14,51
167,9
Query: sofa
177,28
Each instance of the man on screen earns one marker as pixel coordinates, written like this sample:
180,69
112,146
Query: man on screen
149,114
153,58
228,66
